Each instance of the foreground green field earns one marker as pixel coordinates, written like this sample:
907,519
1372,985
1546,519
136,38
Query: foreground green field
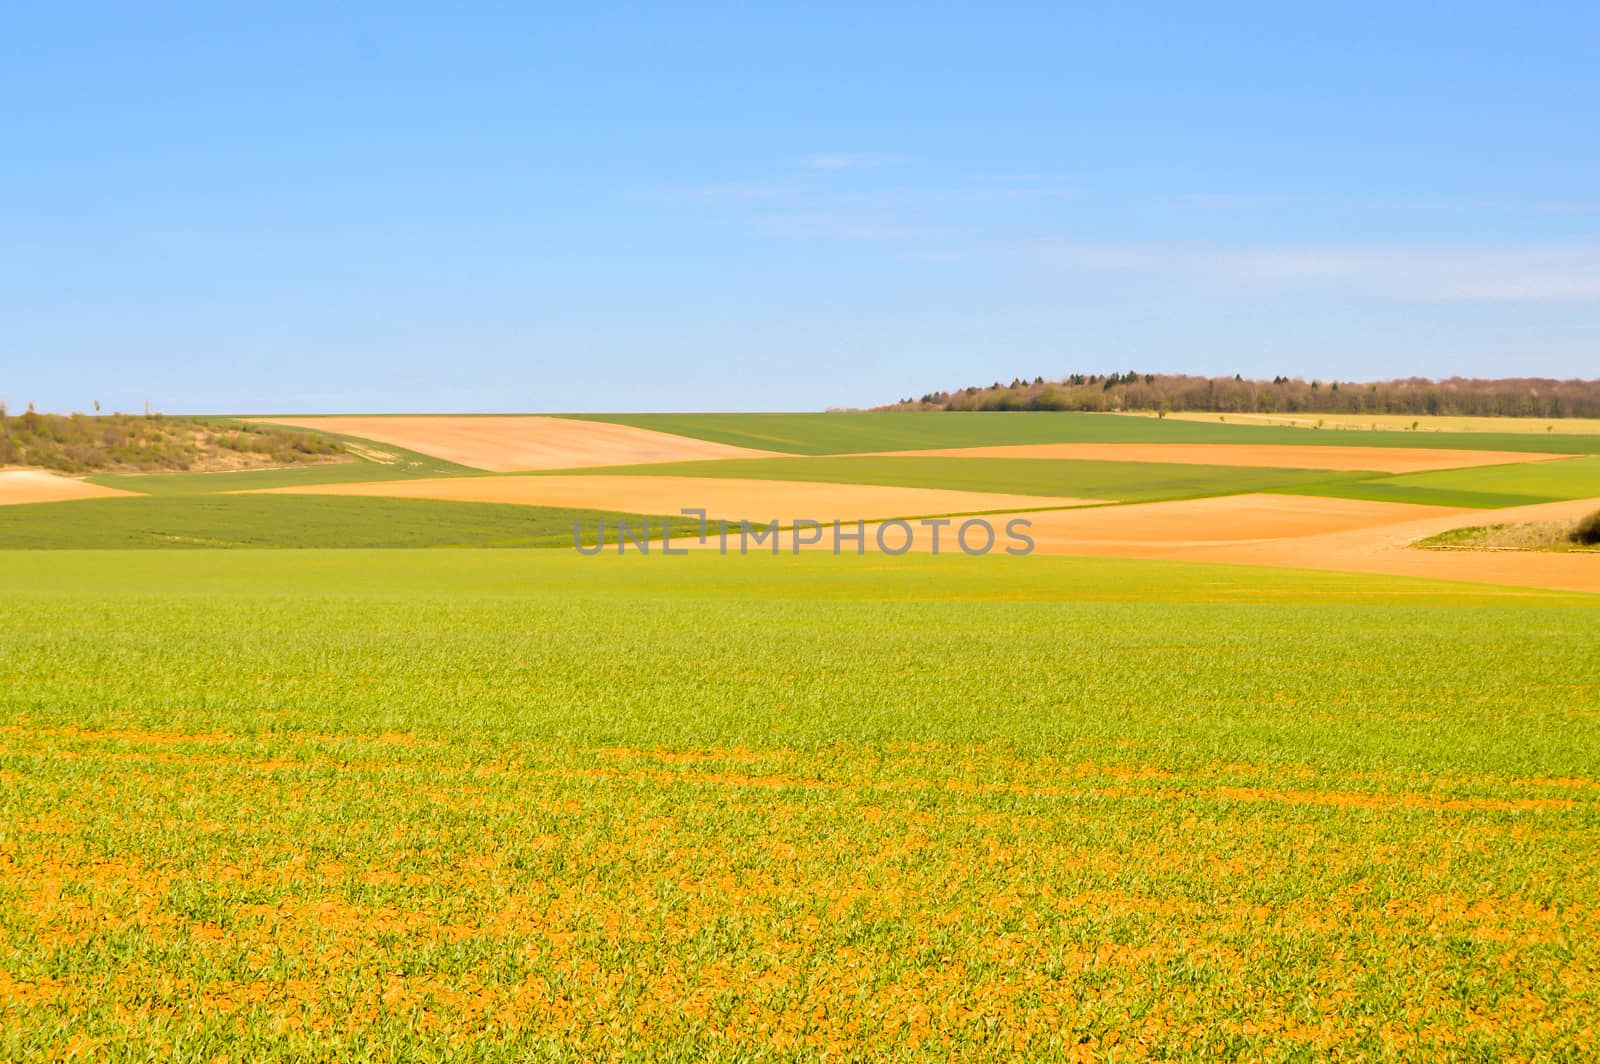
847,433
525,805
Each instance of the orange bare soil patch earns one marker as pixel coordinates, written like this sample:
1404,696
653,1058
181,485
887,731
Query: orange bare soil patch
509,444
1276,456
1338,534
1386,548
1287,531
721,498
1181,528
35,485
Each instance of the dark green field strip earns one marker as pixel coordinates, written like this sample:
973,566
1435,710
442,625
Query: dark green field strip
183,484
850,433
1072,478
1382,491
1483,487
295,521
405,465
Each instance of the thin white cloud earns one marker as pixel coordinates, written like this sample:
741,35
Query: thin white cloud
1260,201
1519,275
847,161
728,193
838,227
810,196
908,216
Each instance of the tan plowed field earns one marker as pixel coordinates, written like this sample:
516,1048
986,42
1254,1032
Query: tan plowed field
720,497
514,443
36,485
1386,548
1297,532
1277,456
1181,528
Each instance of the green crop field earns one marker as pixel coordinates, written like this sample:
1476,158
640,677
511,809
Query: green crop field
846,433
207,520
1121,481
524,805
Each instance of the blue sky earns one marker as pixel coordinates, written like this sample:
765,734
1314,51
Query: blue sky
396,207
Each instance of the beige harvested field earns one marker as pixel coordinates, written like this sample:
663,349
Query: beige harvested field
1296,532
1400,422
515,443
720,497
36,485
1286,456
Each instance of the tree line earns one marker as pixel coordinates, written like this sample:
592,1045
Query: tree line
1162,392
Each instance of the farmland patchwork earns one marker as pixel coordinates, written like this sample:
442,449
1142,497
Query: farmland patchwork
1224,769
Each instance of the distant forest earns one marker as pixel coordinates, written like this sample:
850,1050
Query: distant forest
1162,392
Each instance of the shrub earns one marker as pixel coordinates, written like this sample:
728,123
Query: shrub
1588,530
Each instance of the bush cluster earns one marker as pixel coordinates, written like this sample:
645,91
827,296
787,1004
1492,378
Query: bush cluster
79,443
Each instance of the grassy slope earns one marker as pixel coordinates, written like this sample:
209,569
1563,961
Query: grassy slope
1045,801
1486,487
1122,481
845,433
297,521
406,464
82,443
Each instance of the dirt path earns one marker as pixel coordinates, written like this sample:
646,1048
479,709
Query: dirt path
515,443
36,485
1277,456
